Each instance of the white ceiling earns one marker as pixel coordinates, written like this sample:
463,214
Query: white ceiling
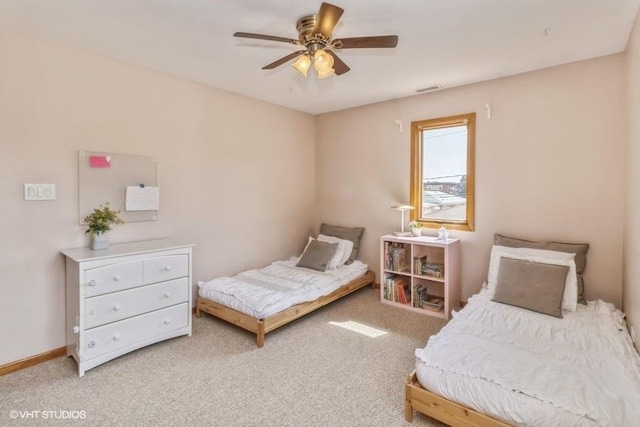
441,42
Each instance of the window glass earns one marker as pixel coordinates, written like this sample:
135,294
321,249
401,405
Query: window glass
442,171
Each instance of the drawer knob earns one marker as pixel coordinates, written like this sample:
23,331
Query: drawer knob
167,321
117,277
92,344
116,337
92,282
167,268
167,294
116,307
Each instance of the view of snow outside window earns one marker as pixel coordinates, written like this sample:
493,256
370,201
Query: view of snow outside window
444,173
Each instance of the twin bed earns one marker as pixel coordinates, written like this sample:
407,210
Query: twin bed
529,360
262,300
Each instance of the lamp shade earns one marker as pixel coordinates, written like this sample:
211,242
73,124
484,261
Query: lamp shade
302,64
325,74
402,207
322,62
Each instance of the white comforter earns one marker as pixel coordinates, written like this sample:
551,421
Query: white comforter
530,369
263,292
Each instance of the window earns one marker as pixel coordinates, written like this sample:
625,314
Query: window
442,171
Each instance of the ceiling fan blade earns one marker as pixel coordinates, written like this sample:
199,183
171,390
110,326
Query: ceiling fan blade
366,42
338,64
328,17
265,37
283,60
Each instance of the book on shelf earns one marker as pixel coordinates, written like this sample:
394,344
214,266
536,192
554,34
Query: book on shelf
433,270
397,255
422,299
389,292
396,289
418,263
432,303
387,257
419,292
401,293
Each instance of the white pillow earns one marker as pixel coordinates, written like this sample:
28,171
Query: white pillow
344,248
570,296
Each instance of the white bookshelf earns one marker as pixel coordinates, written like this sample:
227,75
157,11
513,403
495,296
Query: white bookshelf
425,268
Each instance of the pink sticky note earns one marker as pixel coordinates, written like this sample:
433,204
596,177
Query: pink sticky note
99,161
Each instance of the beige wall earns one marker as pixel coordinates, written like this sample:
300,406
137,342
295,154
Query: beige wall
549,165
234,173
631,287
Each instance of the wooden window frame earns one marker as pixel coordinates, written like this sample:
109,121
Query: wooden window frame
416,185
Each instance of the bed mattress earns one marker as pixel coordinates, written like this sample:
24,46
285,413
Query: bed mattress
529,369
263,292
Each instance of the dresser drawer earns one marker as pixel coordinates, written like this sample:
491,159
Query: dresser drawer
114,277
161,268
116,306
114,336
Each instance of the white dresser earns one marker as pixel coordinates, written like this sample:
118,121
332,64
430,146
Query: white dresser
126,297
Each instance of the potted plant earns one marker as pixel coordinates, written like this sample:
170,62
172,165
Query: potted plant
99,222
416,228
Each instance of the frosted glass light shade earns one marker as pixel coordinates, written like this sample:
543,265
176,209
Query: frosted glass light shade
325,74
323,62
302,64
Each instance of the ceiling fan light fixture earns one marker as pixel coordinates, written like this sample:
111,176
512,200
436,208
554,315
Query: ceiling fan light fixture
315,36
302,64
323,63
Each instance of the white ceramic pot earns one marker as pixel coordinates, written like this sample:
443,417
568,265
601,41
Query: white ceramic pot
99,241
415,231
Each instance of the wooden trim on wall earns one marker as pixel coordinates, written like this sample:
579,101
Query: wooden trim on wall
33,360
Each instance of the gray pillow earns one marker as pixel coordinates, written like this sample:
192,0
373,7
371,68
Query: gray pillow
535,286
347,233
580,249
317,255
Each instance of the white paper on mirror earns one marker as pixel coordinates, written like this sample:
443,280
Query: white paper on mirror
142,198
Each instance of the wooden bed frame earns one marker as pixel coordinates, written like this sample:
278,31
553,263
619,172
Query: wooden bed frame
442,409
261,327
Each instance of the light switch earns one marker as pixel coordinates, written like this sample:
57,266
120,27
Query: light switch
39,191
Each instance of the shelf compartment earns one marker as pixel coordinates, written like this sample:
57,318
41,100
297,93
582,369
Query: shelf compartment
397,257
397,288
428,295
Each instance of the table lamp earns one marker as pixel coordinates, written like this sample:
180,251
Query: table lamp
402,209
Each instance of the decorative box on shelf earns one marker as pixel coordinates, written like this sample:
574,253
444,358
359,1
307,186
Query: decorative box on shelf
421,274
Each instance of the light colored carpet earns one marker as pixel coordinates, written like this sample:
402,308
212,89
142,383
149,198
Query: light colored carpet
309,373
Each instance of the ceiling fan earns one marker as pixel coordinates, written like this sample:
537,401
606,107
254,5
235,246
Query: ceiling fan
315,35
